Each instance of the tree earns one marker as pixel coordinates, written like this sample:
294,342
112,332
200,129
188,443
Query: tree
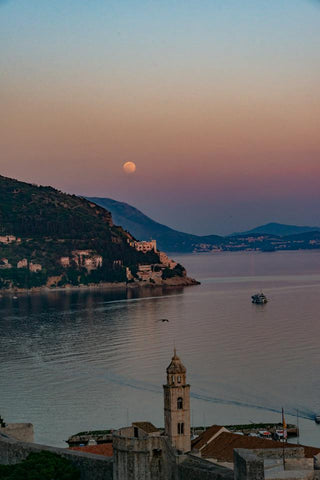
40,466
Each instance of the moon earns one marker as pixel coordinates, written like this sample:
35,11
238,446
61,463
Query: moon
129,167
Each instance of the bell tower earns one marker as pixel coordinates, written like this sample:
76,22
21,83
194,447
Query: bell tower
177,406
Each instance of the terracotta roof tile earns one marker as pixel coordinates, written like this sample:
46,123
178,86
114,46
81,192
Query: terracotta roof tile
221,448
200,441
147,427
104,449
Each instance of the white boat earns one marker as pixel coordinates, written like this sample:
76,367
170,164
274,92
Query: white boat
259,298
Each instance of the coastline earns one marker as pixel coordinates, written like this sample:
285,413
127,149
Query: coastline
170,282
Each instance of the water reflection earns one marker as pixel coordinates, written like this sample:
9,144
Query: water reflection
76,360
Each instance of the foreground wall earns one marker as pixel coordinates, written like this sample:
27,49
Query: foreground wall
153,458
19,431
196,468
91,467
249,464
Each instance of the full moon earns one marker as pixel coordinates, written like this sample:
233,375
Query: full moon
129,167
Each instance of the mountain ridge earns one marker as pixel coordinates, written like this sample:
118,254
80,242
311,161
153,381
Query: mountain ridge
171,240
279,229
145,228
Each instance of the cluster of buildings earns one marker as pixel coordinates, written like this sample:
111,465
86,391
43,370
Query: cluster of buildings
82,259
7,239
150,272
142,451
89,260
23,263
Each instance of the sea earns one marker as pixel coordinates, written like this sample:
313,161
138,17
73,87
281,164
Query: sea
79,360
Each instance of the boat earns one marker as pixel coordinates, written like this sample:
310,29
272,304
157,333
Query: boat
265,434
317,418
259,298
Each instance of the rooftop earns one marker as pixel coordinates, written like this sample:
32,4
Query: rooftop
176,365
221,448
147,427
104,449
204,438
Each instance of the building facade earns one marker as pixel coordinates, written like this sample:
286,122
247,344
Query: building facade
177,406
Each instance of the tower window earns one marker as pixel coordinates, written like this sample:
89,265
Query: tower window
180,428
172,378
180,403
179,379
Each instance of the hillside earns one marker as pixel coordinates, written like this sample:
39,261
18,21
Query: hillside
51,238
279,229
144,228
267,238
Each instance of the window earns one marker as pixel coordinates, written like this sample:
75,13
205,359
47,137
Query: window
180,403
135,432
180,428
172,378
179,379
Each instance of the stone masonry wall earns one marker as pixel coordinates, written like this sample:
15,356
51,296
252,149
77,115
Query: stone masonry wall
196,468
19,431
91,467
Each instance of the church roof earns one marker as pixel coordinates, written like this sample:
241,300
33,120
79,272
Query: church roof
176,366
205,437
147,427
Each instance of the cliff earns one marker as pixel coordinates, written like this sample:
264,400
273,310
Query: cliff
49,238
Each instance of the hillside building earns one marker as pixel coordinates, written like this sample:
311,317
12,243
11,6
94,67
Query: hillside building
144,246
8,239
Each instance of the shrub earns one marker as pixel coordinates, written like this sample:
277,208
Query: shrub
40,466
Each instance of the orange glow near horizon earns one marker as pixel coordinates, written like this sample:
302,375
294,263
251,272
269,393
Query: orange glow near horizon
212,103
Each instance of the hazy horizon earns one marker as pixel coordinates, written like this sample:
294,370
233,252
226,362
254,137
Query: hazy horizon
217,103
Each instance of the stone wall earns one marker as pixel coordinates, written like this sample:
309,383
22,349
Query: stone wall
140,458
195,468
153,458
250,464
19,431
91,467
247,465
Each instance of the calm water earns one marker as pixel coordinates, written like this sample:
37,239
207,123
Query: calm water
90,360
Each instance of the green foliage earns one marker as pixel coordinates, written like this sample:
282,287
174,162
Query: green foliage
177,271
40,466
52,225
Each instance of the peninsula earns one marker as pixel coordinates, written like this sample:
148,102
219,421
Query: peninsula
49,239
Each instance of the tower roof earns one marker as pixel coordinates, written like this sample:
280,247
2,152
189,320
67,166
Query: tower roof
176,366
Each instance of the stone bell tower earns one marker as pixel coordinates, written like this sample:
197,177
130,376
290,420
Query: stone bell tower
177,406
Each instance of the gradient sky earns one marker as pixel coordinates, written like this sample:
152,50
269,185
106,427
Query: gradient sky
217,102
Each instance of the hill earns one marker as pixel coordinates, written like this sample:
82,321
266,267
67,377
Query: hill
143,227
268,238
279,229
51,238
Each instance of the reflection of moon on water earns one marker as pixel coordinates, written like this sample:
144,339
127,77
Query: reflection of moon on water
129,167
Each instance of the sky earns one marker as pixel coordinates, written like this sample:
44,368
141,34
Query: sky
216,101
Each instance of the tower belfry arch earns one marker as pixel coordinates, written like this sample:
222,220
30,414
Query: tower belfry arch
177,405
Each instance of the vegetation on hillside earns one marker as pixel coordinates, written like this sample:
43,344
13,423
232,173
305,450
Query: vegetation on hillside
40,466
49,225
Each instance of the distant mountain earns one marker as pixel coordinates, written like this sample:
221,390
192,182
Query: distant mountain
144,228
269,237
279,229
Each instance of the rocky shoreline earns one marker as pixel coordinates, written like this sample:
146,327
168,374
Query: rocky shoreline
170,282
